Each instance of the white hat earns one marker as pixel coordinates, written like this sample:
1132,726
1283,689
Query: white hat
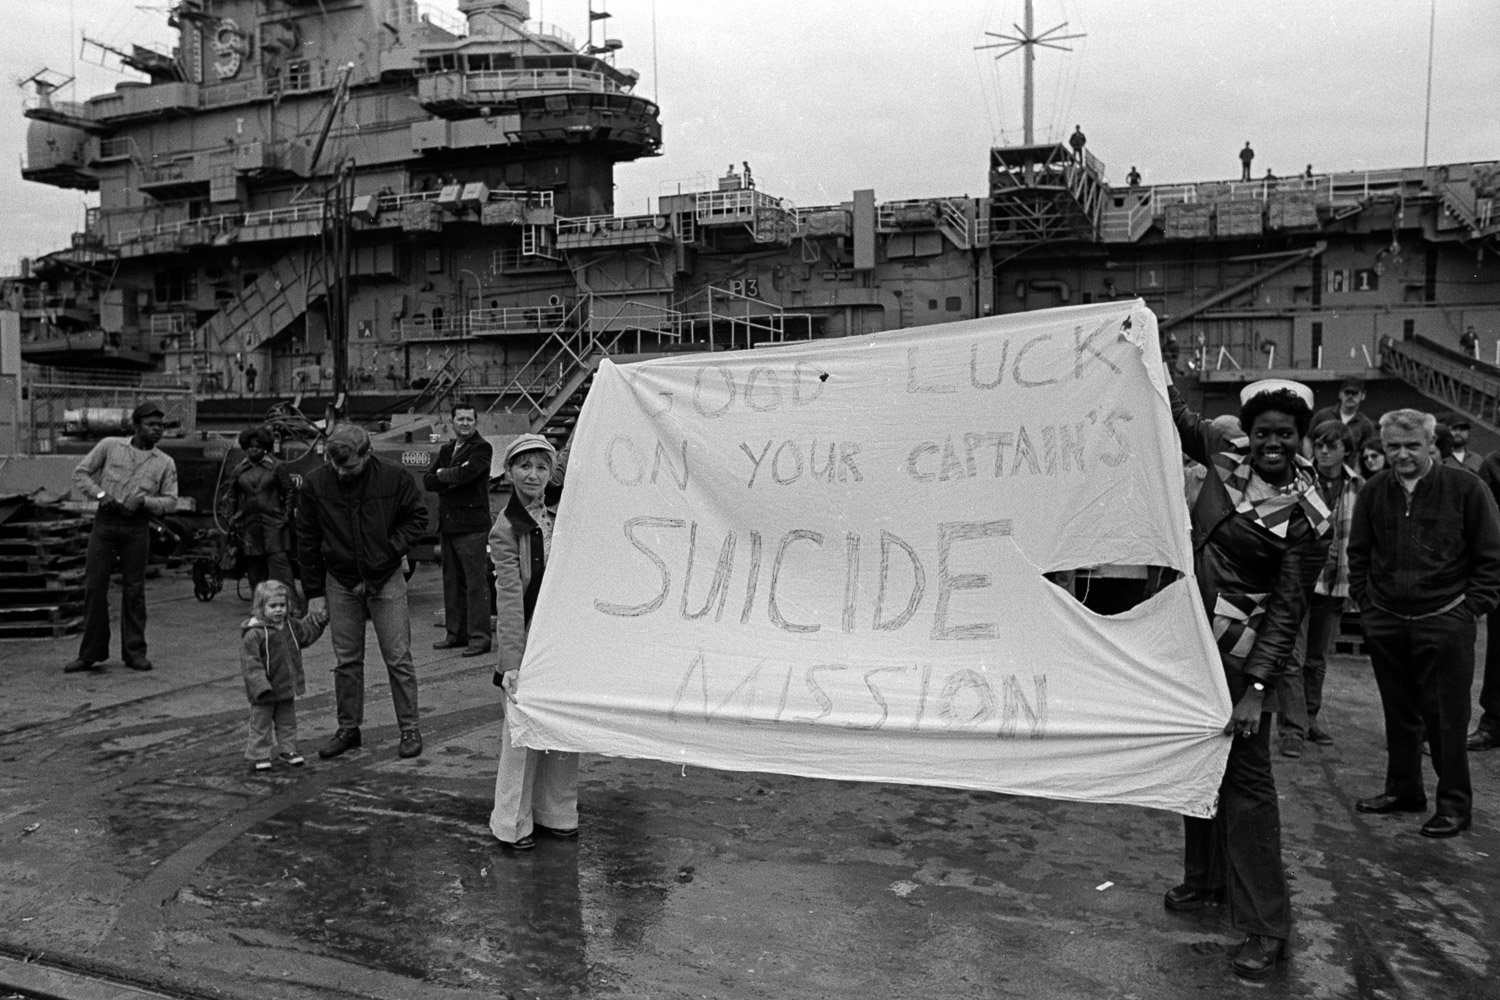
1297,389
530,442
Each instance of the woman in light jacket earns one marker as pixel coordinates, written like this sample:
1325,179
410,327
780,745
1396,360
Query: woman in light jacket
534,789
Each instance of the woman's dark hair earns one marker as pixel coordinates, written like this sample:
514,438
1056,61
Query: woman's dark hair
1330,431
1281,401
255,435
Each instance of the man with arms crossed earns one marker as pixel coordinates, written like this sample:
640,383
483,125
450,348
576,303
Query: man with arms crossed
461,479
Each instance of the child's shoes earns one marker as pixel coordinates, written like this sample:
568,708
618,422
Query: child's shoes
262,765
294,759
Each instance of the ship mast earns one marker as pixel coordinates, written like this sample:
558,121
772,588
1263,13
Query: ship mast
1026,39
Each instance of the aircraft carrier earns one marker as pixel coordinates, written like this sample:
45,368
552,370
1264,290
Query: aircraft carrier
376,208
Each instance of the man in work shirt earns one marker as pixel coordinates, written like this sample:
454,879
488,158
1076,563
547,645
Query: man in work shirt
131,480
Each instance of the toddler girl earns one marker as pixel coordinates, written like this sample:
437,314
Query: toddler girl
271,660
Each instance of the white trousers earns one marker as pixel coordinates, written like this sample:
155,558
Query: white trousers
533,786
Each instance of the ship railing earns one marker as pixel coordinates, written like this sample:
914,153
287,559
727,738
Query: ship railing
428,328
1264,189
31,300
891,215
209,223
487,82
300,79
121,147
955,224
545,29
169,324
311,212
517,319
737,205
396,202
608,223
452,23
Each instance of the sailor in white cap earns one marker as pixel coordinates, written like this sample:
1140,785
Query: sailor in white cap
1260,534
534,789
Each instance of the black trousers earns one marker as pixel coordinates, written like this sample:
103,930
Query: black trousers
1425,669
1489,694
1239,850
273,566
466,589
126,541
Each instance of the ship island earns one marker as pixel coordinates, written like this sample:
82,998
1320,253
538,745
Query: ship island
368,209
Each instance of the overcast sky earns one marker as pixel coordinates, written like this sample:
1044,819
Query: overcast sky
823,97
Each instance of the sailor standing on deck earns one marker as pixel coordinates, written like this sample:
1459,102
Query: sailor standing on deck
131,480
1246,156
1078,140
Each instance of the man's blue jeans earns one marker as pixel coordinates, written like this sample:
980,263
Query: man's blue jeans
384,606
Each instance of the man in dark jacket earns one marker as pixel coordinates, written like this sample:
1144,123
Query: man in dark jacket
1424,563
1486,735
1351,395
461,479
357,519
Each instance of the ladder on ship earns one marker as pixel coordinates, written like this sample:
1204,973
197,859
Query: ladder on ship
1462,384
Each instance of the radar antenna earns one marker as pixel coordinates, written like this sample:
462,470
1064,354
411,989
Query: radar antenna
1027,39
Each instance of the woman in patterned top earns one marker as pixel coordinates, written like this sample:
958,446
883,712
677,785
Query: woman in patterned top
1260,533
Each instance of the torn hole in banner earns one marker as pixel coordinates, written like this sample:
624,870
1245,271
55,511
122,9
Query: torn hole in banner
1113,589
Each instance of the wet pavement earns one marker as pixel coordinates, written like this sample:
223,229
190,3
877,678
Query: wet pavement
135,843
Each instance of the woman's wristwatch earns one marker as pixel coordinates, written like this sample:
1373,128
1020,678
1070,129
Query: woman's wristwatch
1259,687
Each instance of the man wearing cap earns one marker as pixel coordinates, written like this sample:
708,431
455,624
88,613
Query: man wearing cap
130,480
1424,563
1351,394
1461,457
461,479
357,519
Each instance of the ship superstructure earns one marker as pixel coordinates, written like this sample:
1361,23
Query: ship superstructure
312,198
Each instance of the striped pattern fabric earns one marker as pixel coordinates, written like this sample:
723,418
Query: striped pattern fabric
1333,581
1274,513
1237,618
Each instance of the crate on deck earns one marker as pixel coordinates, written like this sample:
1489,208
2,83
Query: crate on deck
42,553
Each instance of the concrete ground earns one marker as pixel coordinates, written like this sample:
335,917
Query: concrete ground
135,844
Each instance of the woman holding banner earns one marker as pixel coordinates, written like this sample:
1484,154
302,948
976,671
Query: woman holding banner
1260,536
534,789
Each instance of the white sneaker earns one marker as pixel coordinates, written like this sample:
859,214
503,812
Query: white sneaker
294,759
262,765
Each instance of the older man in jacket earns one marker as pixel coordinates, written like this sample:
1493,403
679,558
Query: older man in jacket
461,479
357,519
1424,563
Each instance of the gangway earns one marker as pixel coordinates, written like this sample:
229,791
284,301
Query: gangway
1462,384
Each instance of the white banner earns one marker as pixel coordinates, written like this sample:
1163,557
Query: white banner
826,559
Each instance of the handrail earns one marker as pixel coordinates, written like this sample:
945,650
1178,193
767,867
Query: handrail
534,80
608,223
516,319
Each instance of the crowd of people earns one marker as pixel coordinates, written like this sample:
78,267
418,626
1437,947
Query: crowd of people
1409,534
1297,517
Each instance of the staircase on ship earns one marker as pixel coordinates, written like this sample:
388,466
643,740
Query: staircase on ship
1463,384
